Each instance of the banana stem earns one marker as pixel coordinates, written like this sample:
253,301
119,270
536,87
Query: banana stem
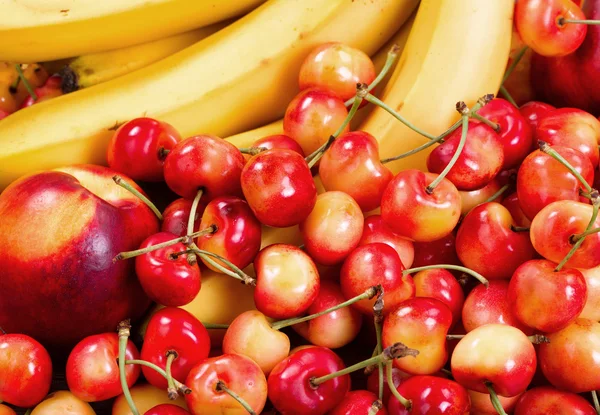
546,148
119,180
390,381
28,86
477,275
514,63
508,96
221,387
184,390
124,331
171,389
494,398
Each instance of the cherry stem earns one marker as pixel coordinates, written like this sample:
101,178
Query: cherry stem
191,221
546,148
538,339
215,326
472,273
519,228
455,336
221,387
13,87
514,63
563,21
28,87
494,398
183,239
234,271
253,151
596,403
508,96
390,381
171,389
498,193
367,295
375,407
119,180
124,330
378,318
28,412
493,125
184,390
163,153
395,351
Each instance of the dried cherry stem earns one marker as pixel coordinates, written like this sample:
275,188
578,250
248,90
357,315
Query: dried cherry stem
253,151
375,407
221,387
171,389
596,403
390,381
215,326
367,295
508,96
395,351
472,273
26,83
119,180
378,319
184,390
124,330
546,148
514,63
183,239
499,193
190,225
562,21
494,398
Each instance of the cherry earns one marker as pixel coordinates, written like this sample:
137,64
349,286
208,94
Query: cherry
313,116
139,147
166,409
61,402
480,159
26,370
543,28
280,141
352,165
374,230
534,111
177,214
481,403
5,410
359,401
145,397
287,281
279,187
545,400
36,75
333,228
512,204
92,370
470,199
440,251
441,285
591,309
204,162
50,89
431,395
488,242
173,330
410,210
398,377
212,380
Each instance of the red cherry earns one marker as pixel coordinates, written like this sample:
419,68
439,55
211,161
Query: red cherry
204,162
534,111
279,187
442,285
139,148
511,203
481,403
374,230
546,400
398,377
51,89
177,214
440,251
166,409
592,306
174,329
5,410
476,197
280,141
357,402
431,395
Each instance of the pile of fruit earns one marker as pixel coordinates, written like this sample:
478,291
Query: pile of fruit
300,207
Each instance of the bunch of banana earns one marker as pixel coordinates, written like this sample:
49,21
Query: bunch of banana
239,78
45,30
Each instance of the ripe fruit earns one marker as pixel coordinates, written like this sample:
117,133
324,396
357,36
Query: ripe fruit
355,402
176,215
62,402
374,230
431,395
280,141
145,397
166,409
441,285
546,400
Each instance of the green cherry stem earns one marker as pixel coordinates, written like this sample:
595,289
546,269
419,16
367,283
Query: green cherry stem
514,63
184,390
508,96
367,295
190,225
494,398
491,124
233,270
563,21
121,182
222,387
171,389
546,148
395,351
390,381
28,87
124,330
253,151
499,193
378,320
472,273
375,407
596,403
414,150
215,326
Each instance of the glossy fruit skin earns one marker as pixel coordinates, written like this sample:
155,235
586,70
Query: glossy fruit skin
103,219
166,409
287,281
137,146
351,165
470,199
336,67
511,202
239,373
374,230
373,382
50,89
535,286
480,357
486,243
312,117
26,370
479,162
420,323
440,251
533,112
553,226
515,132
591,309
92,370
289,383
431,395
280,141
408,210
176,215
62,403
333,228
357,402
238,233
173,329
204,162
482,405
279,187
145,397
575,346
371,265
441,285
5,410
335,329
546,400
166,280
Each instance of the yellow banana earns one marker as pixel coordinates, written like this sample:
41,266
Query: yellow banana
45,30
241,77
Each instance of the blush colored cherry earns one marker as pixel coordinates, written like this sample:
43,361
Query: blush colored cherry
479,162
204,162
398,377
512,204
50,89
534,111
442,285
287,281
280,141
546,400
440,251
374,264
470,199
139,148
488,242
290,388
591,309
542,27
166,409
5,410
409,210
352,165
358,402
313,116
238,374
173,329
92,370
177,214
431,395
482,405
333,228
515,132
279,187
26,370
374,230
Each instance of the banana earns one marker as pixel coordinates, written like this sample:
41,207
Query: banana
241,77
45,30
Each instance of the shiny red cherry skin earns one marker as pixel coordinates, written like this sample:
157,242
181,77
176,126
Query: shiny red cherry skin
546,400
166,409
534,111
511,202
280,141
442,285
357,402
177,213
374,230
440,251
398,377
